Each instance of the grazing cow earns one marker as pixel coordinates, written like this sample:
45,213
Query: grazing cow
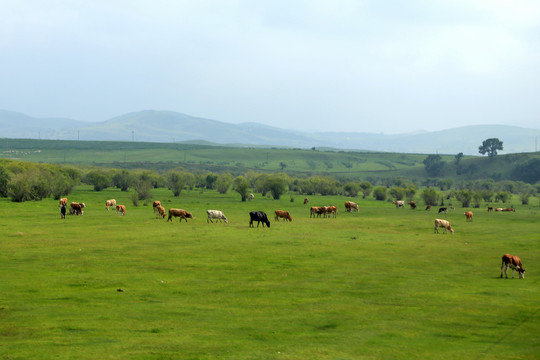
156,204
76,208
399,203
331,210
443,209
63,201
428,207
313,211
121,209
160,211
306,200
490,208
110,203
444,224
181,213
513,262
452,208
321,210
351,206
259,217
413,205
468,215
282,214
509,209
216,214
251,197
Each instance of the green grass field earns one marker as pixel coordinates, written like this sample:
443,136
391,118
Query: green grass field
377,284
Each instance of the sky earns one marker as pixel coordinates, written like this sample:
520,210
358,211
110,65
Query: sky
312,65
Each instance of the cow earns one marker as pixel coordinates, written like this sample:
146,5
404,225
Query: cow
331,210
498,209
63,201
442,210
156,204
428,207
468,215
413,205
76,208
121,209
160,211
181,213
351,206
251,197
282,214
306,200
399,203
513,262
509,209
313,211
319,210
216,214
259,217
490,208
444,224
110,203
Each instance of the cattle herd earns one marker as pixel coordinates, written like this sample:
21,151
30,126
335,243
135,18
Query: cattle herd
508,261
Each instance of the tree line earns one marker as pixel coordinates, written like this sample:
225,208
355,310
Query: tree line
25,181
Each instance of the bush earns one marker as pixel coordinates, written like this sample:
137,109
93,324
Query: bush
429,195
379,193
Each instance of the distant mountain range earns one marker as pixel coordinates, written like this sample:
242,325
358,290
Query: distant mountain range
168,126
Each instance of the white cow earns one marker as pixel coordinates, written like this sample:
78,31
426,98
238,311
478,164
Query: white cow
216,214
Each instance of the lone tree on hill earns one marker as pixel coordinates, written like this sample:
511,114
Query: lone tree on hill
490,146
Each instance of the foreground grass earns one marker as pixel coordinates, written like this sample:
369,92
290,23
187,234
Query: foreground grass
377,284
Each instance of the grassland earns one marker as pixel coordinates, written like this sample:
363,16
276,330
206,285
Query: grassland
377,284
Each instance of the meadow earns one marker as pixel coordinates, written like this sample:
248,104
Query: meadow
377,284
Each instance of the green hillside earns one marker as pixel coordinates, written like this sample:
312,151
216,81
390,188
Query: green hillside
343,165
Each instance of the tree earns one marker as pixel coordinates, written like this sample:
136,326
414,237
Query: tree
365,187
4,181
380,193
397,193
223,183
528,171
277,185
241,186
457,158
123,180
464,197
351,189
433,165
99,179
490,146
429,195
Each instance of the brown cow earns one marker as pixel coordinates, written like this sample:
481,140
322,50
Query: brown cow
110,203
428,207
282,214
63,201
509,209
181,213
513,262
155,205
490,208
121,209
76,208
306,200
468,215
413,205
331,210
351,206
160,211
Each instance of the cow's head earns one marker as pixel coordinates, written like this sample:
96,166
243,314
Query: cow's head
267,222
521,273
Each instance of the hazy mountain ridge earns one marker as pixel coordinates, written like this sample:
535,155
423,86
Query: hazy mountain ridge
169,126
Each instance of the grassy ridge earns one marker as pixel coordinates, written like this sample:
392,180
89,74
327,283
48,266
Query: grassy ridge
377,284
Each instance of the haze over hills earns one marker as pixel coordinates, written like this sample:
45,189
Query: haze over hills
168,126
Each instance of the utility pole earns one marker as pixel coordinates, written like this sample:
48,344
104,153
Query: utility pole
132,135
78,135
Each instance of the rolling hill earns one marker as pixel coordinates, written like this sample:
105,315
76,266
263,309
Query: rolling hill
168,126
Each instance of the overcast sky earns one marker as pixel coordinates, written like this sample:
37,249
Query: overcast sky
365,66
